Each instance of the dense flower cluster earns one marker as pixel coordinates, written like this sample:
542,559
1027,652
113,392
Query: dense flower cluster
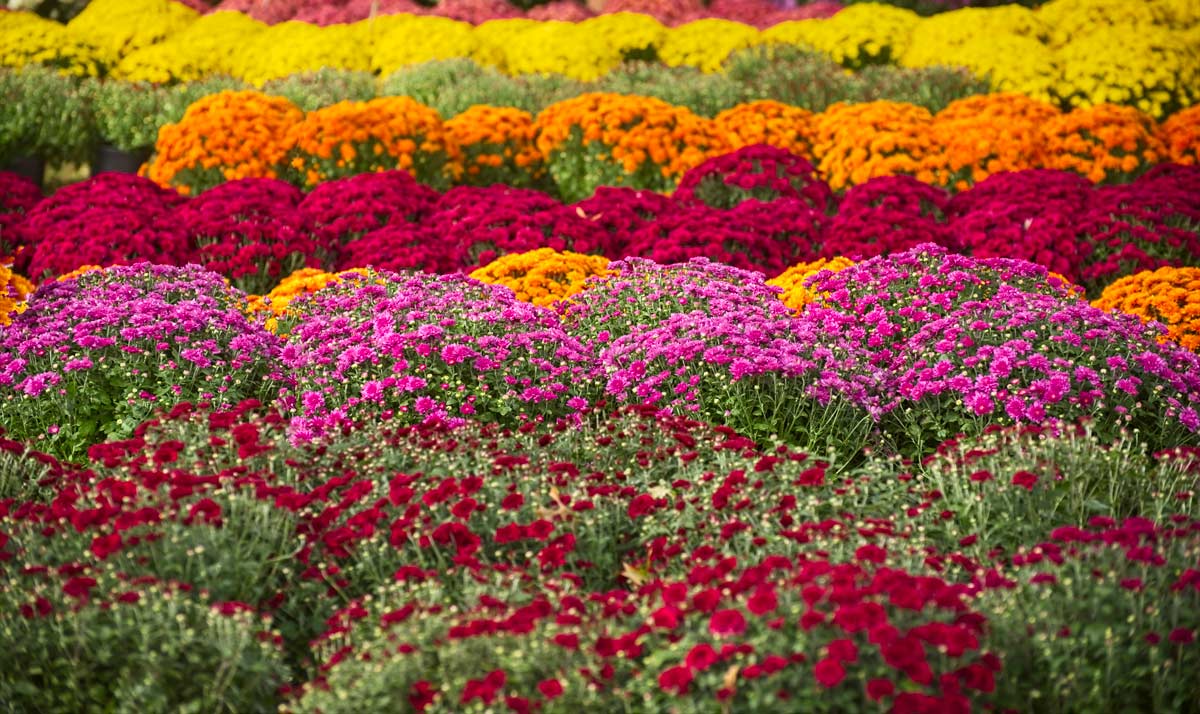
854,143
1170,296
758,209
795,280
760,172
496,145
967,341
616,140
1029,215
250,231
93,356
223,137
293,47
342,210
18,196
610,138
1180,135
768,122
305,281
523,445
1071,53
543,276
201,49
1104,143
860,35
705,44
420,347
116,28
988,134
407,559
1145,225
351,138
887,215
112,219
14,291
27,39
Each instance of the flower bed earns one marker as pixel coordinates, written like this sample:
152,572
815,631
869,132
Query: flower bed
601,139
596,401
759,208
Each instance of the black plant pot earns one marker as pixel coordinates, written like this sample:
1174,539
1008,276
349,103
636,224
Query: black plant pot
113,160
31,167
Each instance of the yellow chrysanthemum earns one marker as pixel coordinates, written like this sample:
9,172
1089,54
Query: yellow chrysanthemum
199,51
117,28
862,34
305,281
79,271
1152,69
294,47
403,40
27,39
14,291
705,44
795,280
564,48
543,276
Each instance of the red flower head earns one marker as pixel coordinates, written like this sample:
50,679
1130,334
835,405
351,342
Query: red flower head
727,623
829,672
676,679
701,657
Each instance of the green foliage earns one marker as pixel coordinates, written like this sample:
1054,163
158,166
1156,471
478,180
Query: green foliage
789,75
931,87
1067,478
46,115
25,476
312,90
168,651
1096,630
704,93
813,81
127,113
452,86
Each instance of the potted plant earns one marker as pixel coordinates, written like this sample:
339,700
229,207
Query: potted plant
46,121
126,122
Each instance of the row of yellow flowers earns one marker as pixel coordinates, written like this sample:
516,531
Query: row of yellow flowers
615,139
1144,54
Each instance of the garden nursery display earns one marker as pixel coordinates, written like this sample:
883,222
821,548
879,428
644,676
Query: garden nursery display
663,356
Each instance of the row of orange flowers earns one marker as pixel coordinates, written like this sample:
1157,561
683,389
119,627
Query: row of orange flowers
612,139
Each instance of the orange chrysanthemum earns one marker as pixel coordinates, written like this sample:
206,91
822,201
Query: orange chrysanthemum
987,134
768,122
497,145
623,140
854,143
351,138
1168,295
222,137
1105,142
1180,135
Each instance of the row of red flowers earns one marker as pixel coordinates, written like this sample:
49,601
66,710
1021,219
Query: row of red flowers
638,558
759,208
